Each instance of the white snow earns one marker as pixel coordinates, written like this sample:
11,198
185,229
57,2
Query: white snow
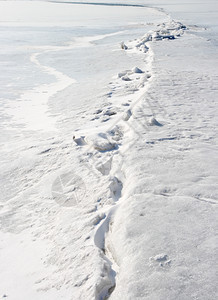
109,150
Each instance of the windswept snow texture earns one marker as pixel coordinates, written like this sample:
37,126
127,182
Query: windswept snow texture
109,153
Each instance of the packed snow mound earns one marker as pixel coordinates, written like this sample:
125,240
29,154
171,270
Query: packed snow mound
127,115
101,142
80,141
154,122
126,78
137,70
121,74
142,41
123,46
169,31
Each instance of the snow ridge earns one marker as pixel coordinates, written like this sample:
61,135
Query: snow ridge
107,146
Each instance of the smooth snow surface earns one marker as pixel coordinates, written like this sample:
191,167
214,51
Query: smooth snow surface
109,153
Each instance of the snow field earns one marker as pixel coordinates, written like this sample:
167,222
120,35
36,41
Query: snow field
123,207
112,149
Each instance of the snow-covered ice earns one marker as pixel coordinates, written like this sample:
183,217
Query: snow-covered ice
109,152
